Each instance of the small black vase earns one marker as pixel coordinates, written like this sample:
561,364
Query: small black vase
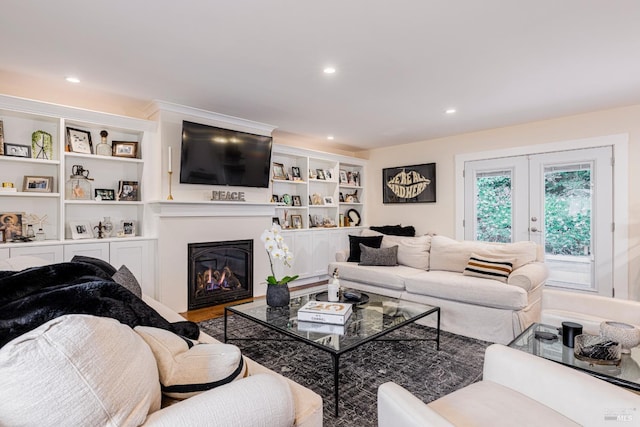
278,295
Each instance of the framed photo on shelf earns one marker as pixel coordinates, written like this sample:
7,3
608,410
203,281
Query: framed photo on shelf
11,224
327,173
105,194
296,200
128,191
17,150
79,141
278,171
124,149
296,221
80,230
128,228
320,174
275,220
38,184
328,200
42,145
343,176
275,198
295,173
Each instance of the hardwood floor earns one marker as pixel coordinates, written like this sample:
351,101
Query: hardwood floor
218,310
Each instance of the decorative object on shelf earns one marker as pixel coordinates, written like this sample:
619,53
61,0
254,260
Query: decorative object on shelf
351,197
106,194
275,198
354,217
296,221
1,140
128,191
30,234
11,223
17,150
296,201
409,184
328,200
78,186
316,199
277,251
99,230
295,173
341,197
312,174
8,187
320,174
40,236
103,149
286,199
40,220
356,179
125,149
108,226
170,172
79,141
278,171
343,177
80,230
128,228
42,145
38,184
627,335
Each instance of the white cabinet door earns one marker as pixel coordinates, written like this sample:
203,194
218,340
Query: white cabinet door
138,256
4,253
95,250
320,252
53,253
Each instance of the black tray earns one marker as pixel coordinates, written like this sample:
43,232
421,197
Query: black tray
323,296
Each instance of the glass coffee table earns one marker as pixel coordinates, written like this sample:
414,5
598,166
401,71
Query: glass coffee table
368,322
626,374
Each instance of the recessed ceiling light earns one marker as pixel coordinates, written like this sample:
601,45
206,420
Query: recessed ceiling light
72,79
450,111
330,137
329,70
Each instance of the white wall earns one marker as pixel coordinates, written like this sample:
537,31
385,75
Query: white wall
439,217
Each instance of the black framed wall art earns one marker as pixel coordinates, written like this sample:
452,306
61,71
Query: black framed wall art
409,184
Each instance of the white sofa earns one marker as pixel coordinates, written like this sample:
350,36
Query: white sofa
430,271
103,373
586,309
517,389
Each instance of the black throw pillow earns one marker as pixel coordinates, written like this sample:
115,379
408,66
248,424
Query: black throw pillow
354,245
395,230
109,269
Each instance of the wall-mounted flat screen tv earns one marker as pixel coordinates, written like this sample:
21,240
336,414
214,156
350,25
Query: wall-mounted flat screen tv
216,156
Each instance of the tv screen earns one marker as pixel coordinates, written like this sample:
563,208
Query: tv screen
216,156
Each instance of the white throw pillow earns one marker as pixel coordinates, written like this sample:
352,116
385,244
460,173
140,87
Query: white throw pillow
412,251
78,370
186,370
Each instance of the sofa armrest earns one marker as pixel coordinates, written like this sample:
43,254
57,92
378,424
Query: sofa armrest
259,400
577,395
397,407
594,305
342,255
529,276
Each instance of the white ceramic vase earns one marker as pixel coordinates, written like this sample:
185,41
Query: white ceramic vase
627,335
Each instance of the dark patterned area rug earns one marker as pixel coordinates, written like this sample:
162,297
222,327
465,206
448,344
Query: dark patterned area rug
415,365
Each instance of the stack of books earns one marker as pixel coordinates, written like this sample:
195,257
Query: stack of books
335,313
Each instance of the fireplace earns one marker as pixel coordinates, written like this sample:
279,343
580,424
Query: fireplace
219,272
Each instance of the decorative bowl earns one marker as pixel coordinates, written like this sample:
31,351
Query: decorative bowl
627,335
596,349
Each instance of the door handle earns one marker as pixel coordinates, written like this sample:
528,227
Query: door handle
534,229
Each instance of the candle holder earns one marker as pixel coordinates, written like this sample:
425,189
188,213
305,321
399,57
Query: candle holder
170,197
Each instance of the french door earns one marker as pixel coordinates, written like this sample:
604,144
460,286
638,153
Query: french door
561,200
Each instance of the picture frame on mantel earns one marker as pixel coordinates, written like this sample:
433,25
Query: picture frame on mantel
409,184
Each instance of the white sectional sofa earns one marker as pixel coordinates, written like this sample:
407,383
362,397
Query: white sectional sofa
431,270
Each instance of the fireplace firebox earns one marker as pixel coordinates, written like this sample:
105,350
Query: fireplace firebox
220,272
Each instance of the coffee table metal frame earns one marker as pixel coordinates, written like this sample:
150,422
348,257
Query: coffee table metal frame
625,375
335,354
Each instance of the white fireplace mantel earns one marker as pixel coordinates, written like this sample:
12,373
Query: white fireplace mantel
169,208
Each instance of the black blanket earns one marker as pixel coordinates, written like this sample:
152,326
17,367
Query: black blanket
32,297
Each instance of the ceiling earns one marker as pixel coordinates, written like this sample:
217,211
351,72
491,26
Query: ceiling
400,64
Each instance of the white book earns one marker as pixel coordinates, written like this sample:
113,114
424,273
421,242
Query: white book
321,328
336,313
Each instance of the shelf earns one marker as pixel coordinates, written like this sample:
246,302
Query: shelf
324,206
101,158
29,160
288,181
102,202
324,181
351,204
29,194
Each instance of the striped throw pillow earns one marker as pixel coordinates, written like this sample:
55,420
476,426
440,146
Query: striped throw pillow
489,268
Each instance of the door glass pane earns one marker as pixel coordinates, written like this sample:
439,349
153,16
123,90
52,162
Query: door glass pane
493,206
568,208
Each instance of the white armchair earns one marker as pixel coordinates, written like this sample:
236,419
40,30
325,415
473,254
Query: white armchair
517,389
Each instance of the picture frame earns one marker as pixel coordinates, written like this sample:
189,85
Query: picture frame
79,141
128,228
124,149
295,173
278,171
320,174
42,145
11,224
296,200
327,174
421,187
105,194
275,198
1,138
328,200
343,176
17,150
128,191
38,184
275,220
296,221
80,230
